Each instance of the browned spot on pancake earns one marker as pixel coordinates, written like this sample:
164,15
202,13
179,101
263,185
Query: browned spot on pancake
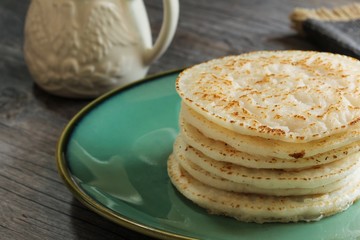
275,131
355,121
298,154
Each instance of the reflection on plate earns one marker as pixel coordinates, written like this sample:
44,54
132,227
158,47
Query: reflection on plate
113,155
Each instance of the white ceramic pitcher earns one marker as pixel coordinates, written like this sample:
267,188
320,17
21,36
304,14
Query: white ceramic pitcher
83,48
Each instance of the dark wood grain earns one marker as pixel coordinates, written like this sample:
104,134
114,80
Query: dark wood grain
34,202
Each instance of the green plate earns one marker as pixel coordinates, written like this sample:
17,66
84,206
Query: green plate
113,153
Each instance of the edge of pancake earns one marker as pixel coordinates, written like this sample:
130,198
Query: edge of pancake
270,178
215,181
258,208
265,147
221,151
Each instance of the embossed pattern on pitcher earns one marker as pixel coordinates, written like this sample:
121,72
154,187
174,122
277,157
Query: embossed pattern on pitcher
78,49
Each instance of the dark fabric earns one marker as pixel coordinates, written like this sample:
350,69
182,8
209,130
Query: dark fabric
335,36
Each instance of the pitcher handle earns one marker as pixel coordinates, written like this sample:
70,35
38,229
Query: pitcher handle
167,31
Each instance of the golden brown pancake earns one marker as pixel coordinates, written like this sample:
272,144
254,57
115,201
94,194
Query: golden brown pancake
270,136
293,96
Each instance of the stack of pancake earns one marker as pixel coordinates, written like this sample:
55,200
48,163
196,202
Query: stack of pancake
270,136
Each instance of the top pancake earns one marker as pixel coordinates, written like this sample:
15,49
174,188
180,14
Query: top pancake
293,96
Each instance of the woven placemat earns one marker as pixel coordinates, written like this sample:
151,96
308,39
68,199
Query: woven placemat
332,29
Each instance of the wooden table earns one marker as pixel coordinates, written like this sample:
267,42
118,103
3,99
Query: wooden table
34,202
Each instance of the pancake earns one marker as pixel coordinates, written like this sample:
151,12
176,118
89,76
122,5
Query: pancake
261,208
292,96
264,146
270,178
221,151
271,136
215,181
